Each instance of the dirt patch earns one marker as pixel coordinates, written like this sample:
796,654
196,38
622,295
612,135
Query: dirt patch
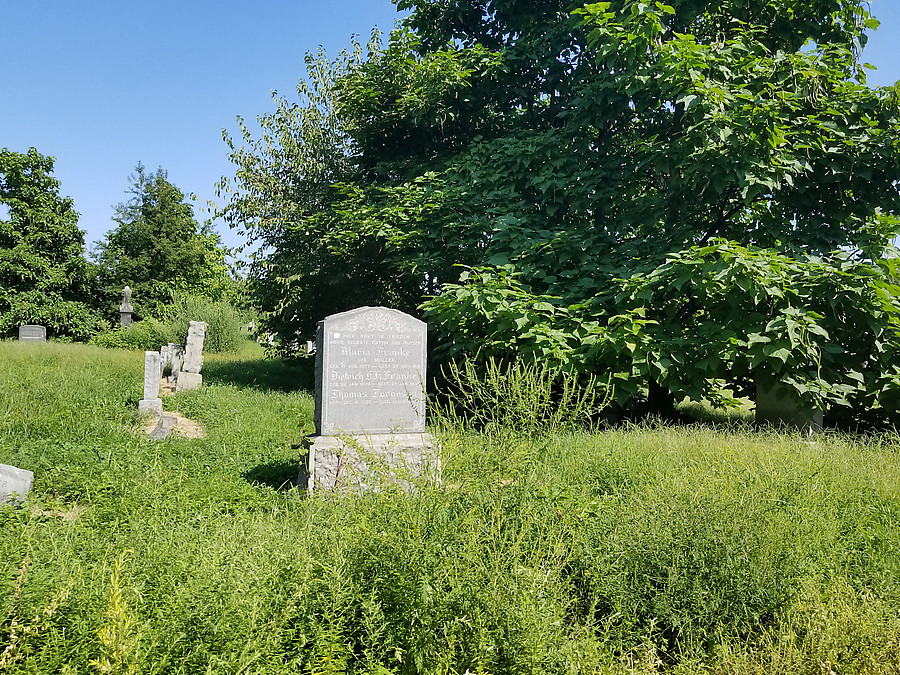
183,426
69,515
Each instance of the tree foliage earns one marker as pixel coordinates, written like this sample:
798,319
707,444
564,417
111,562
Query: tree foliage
572,146
158,248
44,277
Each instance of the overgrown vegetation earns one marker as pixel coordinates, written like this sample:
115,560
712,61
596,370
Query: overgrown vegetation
632,550
226,327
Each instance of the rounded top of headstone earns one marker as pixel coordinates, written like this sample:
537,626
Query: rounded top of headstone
374,319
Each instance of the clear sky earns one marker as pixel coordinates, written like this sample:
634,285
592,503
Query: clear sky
104,84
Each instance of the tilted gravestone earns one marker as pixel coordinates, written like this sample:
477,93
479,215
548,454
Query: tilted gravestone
15,484
171,359
370,399
151,403
189,376
31,333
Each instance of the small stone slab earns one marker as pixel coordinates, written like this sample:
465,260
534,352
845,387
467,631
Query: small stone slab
164,428
32,333
188,381
151,407
359,463
15,484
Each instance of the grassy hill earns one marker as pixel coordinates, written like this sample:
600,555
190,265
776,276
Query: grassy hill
640,549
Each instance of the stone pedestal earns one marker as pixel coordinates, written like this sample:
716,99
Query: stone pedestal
778,405
15,484
358,463
187,381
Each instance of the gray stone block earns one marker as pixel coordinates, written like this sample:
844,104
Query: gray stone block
164,429
150,407
188,381
357,463
15,484
31,333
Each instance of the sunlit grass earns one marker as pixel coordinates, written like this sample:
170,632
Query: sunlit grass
638,549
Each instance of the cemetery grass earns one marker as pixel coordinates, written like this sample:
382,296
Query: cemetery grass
640,549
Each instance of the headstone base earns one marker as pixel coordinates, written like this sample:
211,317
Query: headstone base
150,407
187,381
15,484
778,405
358,463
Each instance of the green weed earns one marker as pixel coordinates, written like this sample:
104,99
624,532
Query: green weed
643,549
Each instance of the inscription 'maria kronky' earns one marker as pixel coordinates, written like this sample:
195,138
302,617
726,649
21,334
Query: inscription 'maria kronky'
370,372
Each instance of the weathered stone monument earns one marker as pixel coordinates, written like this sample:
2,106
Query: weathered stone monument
15,484
151,403
370,401
189,376
778,405
126,311
32,333
171,359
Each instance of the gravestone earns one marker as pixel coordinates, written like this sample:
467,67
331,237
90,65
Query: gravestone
189,376
171,359
778,405
126,311
151,403
370,400
15,484
32,333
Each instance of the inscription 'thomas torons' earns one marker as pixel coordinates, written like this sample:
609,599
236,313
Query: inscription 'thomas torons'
370,373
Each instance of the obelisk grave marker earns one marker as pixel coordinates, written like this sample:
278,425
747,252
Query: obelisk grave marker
370,398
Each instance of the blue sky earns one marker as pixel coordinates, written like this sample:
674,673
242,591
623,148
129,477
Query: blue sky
103,85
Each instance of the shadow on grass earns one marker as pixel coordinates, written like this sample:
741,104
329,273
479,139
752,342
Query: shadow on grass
280,475
261,373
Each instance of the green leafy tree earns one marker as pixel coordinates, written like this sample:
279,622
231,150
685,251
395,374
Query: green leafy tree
576,144
159,249
44,277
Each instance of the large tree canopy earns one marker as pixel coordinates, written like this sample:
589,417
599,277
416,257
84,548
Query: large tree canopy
573,144
44,277
158,248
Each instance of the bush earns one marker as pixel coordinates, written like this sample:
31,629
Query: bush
226,325
225,332
146,335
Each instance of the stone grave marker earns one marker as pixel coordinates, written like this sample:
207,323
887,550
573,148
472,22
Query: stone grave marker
32,333
151,403
777,404
171,359
15,484
189,376
126,311
370,399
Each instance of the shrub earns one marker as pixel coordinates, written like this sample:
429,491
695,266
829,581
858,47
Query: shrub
226,325
146,335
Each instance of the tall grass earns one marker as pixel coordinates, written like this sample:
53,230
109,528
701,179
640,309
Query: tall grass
634,550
